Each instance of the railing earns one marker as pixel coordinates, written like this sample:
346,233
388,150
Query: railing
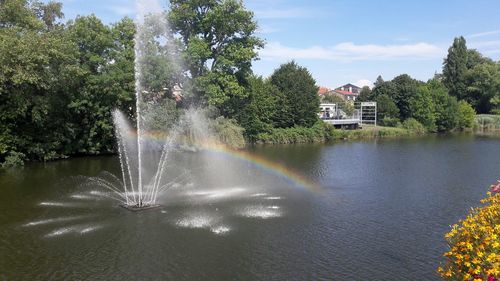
349,113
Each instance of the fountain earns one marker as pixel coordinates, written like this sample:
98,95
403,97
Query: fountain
142,171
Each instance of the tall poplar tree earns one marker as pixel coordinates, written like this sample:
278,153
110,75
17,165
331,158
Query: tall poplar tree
455,68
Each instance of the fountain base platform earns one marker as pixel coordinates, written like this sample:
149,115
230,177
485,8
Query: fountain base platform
137,208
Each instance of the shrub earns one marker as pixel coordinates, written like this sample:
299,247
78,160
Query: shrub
488,122
474,244
414,126
390,122
229,132
14,159
466,114
318,133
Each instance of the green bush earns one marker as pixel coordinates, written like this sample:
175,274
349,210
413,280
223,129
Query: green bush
487,122
14,159
229,132
414,126
467,115
390,122
320,132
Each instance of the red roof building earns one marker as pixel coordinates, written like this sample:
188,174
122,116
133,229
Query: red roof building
348,92
323,90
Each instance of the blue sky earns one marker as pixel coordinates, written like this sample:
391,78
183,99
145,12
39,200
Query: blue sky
354,41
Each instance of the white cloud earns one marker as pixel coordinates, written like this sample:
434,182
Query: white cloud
372,51
482,34
349,51
275,50
364,82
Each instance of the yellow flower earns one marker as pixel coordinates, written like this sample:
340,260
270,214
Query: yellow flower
477,270
474,243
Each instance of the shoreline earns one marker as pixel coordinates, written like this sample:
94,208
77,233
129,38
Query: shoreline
368,133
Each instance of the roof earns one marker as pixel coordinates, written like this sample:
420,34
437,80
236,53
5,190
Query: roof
323,90
346,93
349,85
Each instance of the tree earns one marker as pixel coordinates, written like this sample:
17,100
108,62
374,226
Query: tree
387,111
406,88
400,90
467,115
455,68
262,109
475,58
383,88
365,94
37,64
422,108
59,83
445,106
483,82
301,101
495,104
332,98
219,45
379,81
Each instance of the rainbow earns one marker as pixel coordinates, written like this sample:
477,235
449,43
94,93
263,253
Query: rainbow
243,155
263,163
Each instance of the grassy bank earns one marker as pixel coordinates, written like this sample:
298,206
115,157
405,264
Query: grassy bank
322,132
486,123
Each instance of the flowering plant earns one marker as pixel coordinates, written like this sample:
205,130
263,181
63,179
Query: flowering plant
474,243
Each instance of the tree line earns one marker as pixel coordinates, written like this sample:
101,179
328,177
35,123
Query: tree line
60,81
469,84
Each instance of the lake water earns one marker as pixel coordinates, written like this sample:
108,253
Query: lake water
379,211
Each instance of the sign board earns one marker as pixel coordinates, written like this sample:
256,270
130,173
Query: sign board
371,103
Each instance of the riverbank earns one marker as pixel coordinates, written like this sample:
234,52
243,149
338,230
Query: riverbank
324,132
487,124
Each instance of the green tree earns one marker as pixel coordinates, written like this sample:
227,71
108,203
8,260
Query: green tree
332,98
383,88
422,108
475,58
405,88
365,94
483,82
262,109
379,81
38,63
467,115
455,68
495,104
59,83
219,45
445,106
400,90
387,111
301,101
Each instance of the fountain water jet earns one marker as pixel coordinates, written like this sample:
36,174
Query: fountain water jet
142,171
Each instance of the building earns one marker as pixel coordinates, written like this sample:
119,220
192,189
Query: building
323,90
350,88
348,92
346,95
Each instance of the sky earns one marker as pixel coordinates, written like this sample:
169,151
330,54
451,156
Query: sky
350,41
